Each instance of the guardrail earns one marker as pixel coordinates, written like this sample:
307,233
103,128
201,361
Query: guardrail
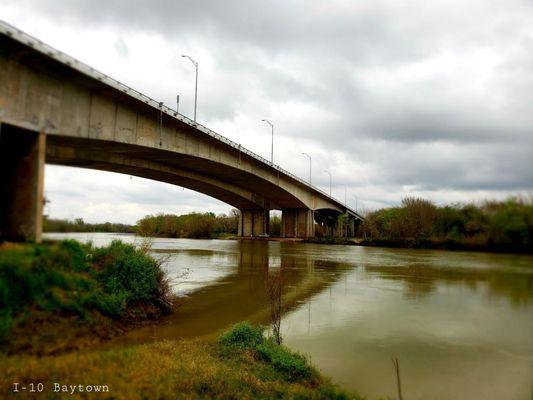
65,59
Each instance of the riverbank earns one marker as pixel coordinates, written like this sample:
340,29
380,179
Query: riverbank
238,368
66,295
61,300
449,245
358,299
495,226
431,244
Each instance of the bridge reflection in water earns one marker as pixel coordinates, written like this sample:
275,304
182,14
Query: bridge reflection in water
241,292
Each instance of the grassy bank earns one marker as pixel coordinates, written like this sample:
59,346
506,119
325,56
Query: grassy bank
241,365
56,296
418,223
58,300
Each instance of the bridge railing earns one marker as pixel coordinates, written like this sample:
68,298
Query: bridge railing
72,62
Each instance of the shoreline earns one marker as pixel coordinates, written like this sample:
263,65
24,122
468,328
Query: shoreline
59,347
427,245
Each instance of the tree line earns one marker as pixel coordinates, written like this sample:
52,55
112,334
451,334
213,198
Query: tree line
194,225
79,225
497,225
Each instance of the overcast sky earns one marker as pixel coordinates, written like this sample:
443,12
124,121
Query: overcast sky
395,98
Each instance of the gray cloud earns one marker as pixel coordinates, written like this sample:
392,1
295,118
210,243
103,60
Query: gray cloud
427,95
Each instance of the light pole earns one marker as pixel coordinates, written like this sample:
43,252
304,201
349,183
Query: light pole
345,195
195,85
272,143
178,103
329,173
305,154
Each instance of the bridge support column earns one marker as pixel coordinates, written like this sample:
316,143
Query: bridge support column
297,223
254,223
338,229
22,155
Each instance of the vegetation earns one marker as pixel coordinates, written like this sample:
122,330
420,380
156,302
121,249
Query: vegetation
275,225
53,294
193,225
274,285
235,368
505,225
290,366
49,289
78,225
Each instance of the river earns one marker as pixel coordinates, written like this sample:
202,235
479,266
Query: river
460,323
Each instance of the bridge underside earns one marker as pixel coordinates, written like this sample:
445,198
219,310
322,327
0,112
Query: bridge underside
23,154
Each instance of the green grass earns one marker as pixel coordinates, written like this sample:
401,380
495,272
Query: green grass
288,365
69,281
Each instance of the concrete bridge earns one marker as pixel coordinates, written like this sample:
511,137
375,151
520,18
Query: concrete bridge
57,110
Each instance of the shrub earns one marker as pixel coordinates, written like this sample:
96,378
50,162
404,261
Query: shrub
62,278
243,335
498,225
125,270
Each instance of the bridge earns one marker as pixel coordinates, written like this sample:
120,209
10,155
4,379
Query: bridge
55,109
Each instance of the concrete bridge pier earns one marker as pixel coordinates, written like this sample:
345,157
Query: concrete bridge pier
297,223
22,156
254,223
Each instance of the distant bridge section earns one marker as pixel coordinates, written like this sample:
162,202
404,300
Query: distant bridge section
57,110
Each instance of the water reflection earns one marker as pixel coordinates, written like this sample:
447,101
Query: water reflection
240,293
461,324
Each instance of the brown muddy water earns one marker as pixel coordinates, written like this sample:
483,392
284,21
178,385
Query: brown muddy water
461,324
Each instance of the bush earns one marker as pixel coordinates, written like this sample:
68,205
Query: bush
124,270
62,278
129,275
243,335
505,225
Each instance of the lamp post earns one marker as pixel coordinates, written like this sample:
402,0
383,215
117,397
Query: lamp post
272,142
178,103
329,173
307,155
345,195
195,85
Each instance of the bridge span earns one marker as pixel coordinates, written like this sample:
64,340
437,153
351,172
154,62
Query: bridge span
55,109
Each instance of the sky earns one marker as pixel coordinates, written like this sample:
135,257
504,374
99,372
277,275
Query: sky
394,98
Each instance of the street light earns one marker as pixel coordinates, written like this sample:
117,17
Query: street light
272,144
195,85
178,104
329,173
305,154
345,195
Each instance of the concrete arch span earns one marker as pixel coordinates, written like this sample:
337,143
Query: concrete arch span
90,120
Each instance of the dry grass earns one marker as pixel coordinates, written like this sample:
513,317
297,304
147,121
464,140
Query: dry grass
163,370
